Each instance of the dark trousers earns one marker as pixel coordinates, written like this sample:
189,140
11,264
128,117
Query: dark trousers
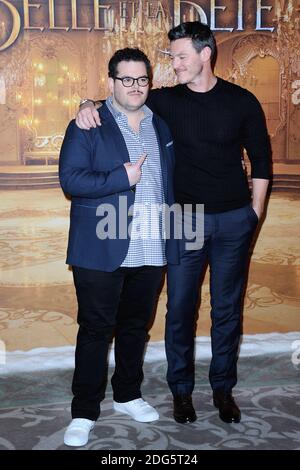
227,238
118,303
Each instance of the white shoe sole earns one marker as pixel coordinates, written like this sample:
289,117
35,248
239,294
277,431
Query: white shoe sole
73,441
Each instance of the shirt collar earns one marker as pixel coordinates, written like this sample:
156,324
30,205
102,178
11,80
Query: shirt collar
148,114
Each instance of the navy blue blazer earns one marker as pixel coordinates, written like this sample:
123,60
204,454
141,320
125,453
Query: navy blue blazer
92,172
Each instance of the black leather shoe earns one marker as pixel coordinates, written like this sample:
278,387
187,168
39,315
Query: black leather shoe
229,412
184,411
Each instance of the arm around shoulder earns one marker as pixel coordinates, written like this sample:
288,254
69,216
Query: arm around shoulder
88,116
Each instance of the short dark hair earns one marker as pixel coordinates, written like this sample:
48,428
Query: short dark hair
128,54
200,34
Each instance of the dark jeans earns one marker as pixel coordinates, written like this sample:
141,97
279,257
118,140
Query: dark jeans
120,303
227,238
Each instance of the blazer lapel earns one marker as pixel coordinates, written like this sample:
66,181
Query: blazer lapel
113,133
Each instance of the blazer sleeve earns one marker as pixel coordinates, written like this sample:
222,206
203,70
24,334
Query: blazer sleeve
76,175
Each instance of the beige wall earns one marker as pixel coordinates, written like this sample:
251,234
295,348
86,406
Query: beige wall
38,306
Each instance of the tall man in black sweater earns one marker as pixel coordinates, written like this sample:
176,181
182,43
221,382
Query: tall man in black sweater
211,120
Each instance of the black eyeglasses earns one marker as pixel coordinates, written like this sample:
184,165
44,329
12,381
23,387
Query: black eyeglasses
129,81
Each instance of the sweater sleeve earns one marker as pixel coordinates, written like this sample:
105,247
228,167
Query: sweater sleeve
256,139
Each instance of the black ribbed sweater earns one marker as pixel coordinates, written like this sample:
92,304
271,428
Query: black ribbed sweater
210,130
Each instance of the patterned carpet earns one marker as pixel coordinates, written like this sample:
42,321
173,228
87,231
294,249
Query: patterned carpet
35,409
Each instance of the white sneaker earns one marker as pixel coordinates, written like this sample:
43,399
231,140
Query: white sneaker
138,409
77,433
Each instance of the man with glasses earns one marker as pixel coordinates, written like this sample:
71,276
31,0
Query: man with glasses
125,165
212,121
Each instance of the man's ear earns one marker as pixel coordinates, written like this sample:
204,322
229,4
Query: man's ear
111,84
206,54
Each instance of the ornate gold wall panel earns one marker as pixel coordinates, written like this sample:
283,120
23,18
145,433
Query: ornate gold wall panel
43,75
